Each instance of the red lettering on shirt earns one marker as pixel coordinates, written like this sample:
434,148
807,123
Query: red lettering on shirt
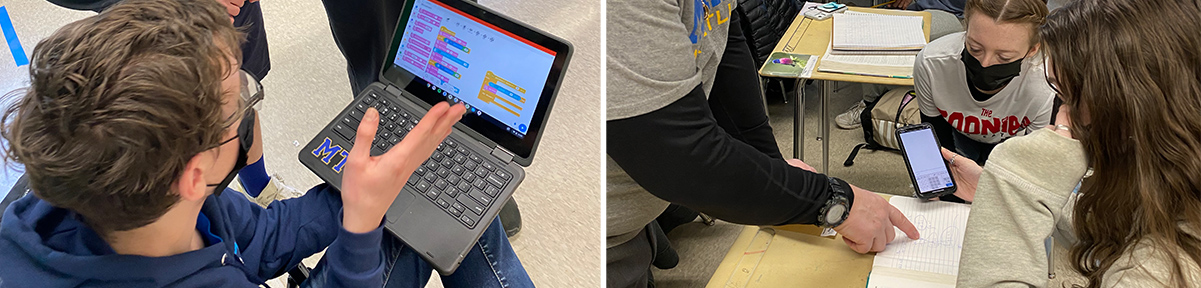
991,127
972,125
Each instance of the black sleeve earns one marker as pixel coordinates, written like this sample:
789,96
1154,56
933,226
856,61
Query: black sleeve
679,154
942,130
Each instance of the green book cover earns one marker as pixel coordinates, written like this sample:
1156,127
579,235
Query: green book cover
782,64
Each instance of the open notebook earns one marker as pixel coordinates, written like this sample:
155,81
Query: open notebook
870,33
933,260
872,44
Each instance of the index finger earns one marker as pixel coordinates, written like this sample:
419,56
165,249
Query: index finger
431,130
439,120
898,219
365,133
452,115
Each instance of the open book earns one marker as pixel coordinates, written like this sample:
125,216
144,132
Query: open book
933,260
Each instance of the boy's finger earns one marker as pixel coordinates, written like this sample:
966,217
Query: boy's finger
430,120
420,141
365,134
448,120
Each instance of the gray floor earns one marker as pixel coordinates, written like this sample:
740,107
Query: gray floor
559,200
702,247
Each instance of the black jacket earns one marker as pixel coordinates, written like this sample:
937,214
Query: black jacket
764,23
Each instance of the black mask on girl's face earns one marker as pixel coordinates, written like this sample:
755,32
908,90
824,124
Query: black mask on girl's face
991,77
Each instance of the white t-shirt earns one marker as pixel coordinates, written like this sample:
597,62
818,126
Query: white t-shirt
940,81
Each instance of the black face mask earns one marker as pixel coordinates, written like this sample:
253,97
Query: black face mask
246,139
991,77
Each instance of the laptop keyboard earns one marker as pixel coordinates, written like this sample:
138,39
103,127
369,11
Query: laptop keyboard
459,180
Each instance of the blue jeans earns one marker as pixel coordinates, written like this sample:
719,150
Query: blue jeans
491,263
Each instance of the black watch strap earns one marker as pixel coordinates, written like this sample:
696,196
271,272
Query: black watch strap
837,185
836,208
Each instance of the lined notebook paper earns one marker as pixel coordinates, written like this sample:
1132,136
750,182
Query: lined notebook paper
933,260
860,33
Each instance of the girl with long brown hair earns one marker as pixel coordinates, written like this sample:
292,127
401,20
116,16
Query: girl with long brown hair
1129,74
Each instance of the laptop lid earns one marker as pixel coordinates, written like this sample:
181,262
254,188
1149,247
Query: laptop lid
506,72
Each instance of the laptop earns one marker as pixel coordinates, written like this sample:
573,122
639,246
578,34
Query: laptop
505,72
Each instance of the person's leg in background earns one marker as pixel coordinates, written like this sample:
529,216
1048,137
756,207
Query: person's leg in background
490,263
362,30
628,264
943,23
257,61
871,93
272,188
366,50
256,58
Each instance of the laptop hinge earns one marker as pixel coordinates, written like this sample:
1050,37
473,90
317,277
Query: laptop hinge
392,89
501,154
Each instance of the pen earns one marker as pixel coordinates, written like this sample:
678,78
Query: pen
882,4
874,75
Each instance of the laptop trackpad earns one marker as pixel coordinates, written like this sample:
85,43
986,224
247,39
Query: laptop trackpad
399,206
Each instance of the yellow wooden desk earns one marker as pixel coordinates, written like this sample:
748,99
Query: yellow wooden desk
810,37
767,256
791,256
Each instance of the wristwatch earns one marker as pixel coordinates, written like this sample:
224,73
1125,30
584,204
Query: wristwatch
836,209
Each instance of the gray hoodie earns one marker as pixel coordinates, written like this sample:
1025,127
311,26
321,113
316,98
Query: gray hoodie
1024,195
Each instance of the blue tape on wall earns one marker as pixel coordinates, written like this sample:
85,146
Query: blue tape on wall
10,35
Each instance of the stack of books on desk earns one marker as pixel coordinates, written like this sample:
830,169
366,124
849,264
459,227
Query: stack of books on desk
874,45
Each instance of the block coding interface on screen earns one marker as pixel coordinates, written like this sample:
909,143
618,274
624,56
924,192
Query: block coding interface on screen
925,160
496,74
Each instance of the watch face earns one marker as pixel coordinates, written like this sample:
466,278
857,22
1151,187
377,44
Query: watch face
835,213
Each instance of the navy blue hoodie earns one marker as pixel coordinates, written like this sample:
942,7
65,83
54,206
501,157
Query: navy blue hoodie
44,246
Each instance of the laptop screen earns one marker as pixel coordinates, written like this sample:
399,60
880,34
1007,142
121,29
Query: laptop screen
498,75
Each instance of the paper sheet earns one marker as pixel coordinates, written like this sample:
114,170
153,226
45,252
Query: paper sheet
859,30
870,65
941,225
875,60
908,279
